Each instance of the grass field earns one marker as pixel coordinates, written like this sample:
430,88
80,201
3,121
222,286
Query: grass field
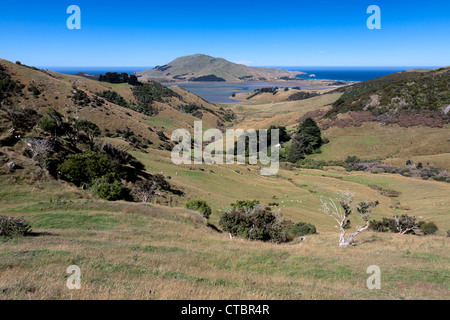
135,251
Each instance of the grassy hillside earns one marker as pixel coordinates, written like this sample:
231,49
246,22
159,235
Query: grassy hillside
59,91
130,251
405,91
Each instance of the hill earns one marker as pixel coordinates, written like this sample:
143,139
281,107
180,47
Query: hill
113,107
200,67
410,97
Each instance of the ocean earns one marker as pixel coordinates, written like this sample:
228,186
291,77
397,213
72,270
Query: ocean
96,70
350,73
326,73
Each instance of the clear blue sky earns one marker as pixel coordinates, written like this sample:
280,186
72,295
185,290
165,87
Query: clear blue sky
257,33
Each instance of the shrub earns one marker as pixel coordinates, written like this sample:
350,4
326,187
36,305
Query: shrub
108,188
302,95
253,223
404,224
352,159
244,204
448,233
84,168
10,226
89,128
48,125
428,228
114,97
34,90
199,205
301,229
381,226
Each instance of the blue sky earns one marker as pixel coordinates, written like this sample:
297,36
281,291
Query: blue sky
257,33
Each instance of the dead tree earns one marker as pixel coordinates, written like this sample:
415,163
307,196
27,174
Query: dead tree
144,190
341,211
405,224
38,147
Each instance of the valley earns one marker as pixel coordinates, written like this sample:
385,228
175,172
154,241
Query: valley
161,250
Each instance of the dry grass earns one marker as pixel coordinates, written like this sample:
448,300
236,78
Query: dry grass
162,253
136,251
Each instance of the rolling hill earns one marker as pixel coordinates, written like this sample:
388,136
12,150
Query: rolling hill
421,94
113,107
200,67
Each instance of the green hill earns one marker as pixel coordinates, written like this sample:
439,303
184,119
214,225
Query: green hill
417,91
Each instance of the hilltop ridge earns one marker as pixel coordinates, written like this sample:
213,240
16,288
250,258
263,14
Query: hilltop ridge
201,67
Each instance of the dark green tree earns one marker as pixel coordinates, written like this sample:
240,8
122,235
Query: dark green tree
307,140
91,130
52,122
83,168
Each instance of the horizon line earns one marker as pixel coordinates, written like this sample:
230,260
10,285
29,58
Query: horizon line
267,66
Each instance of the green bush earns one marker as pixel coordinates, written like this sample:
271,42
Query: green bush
34,90
302,229
244,204
108,188
47,124
10,226
428,228
84,168
199,205
253,224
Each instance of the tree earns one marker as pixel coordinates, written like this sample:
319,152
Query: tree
133,80
405,224
39,147
145,189
307,140
52,122
83,168
91,130
341,211
124,77
283,135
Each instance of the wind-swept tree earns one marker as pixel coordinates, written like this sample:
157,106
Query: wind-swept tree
307,140
89,128
343,209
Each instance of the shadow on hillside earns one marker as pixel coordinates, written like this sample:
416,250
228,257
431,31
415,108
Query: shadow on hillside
213,227
42,234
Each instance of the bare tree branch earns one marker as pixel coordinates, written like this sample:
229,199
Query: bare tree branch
341,212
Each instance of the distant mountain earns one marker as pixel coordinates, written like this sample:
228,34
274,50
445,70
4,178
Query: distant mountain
200,67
